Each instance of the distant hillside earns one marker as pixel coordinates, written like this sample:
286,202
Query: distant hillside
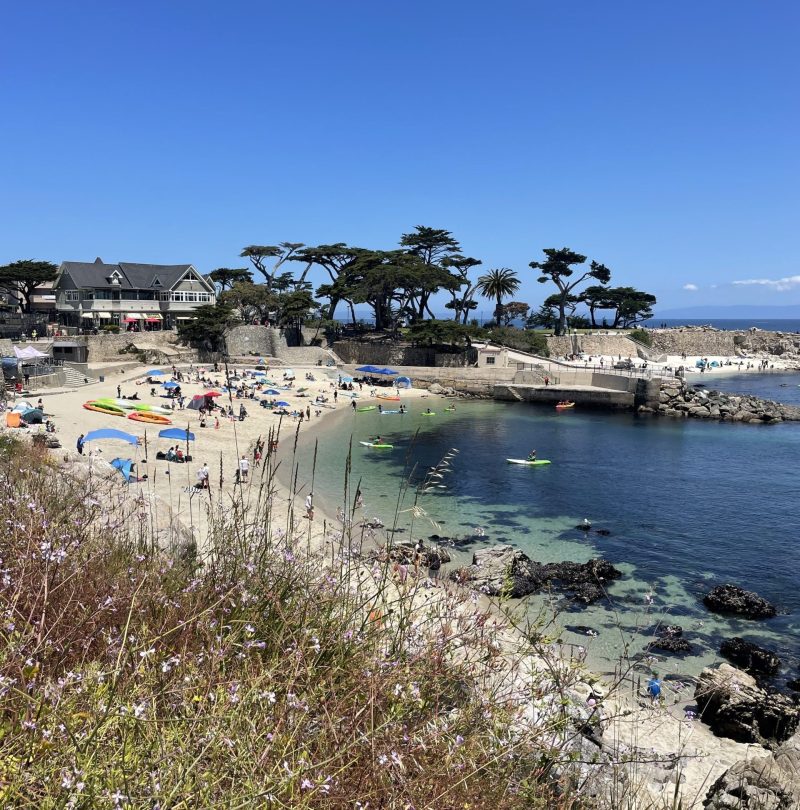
737,311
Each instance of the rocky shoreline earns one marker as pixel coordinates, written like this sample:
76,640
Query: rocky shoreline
681,400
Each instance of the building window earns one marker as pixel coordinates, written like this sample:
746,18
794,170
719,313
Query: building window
490,361
72,295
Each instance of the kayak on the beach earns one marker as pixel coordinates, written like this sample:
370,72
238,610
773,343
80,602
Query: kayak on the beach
389,397
380,446
367,408
527,462
134,405
99,407
152,418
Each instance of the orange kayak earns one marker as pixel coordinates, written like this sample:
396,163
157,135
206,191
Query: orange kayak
564,407
387,396
153,418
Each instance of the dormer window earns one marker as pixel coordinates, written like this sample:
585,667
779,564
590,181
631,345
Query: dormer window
157,282
115,277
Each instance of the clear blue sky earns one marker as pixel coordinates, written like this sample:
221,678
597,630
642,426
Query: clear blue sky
658,138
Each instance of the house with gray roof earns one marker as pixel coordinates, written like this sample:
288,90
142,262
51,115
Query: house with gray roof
140,297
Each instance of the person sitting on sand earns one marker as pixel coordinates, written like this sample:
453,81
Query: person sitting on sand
532,455
171,454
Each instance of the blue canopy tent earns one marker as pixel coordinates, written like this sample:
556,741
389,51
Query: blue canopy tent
369,369
387,371
170,385
125,466
111,433
282,404
33,416
176,433
403,382
154,372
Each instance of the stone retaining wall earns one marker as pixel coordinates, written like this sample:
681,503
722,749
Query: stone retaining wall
592,344
399,354
107,347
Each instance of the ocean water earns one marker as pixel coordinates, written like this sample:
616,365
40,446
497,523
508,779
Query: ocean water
688,504
732,324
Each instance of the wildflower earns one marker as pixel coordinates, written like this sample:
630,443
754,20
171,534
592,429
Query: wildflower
306,784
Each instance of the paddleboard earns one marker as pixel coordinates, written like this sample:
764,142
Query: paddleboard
432,413
388,412
379,446
527,463
367,408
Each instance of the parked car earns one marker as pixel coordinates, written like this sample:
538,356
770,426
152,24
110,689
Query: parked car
625,364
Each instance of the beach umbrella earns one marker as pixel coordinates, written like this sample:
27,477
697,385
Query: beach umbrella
288,373
212,394
272,391
111,433
154,372
369,369
282,404
176,433
170,385
387,371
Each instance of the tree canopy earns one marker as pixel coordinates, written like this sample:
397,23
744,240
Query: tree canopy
206,330
444,333
259,256
226,277
558,268
23,277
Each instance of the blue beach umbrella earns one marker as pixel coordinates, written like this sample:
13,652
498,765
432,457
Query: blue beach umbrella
272,391
111,433
369,369
154,372
170,385
387,371
176,433
282,404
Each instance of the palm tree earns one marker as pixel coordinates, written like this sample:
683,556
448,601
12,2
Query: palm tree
498,284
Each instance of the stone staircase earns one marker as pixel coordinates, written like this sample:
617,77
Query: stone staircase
75,378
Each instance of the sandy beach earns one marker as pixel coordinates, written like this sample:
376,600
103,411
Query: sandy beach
220,445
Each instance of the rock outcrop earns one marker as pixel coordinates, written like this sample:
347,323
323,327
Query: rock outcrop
407,552
754,784
509,571
750,657
670,639
678,399
733,599
733,705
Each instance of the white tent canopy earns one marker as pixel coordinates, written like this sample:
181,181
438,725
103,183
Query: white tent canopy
29,353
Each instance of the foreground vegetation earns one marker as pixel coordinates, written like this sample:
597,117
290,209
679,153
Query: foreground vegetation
131,677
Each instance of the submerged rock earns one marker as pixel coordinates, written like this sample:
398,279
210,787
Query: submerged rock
733,705
750,657
733,599
670,639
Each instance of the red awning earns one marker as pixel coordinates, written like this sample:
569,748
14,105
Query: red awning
130,320
153,320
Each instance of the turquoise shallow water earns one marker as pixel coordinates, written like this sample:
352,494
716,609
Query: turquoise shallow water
688,504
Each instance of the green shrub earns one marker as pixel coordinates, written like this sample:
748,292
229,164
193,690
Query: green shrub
642,335
110,328
525,340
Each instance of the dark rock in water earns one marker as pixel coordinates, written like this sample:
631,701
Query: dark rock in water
732,599
750,657
754,784
506,570
794,684
582,629
670,639
734,706
603,532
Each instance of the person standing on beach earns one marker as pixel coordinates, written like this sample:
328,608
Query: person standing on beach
119,392
79,444
244,468
353,404
310,506
654,688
